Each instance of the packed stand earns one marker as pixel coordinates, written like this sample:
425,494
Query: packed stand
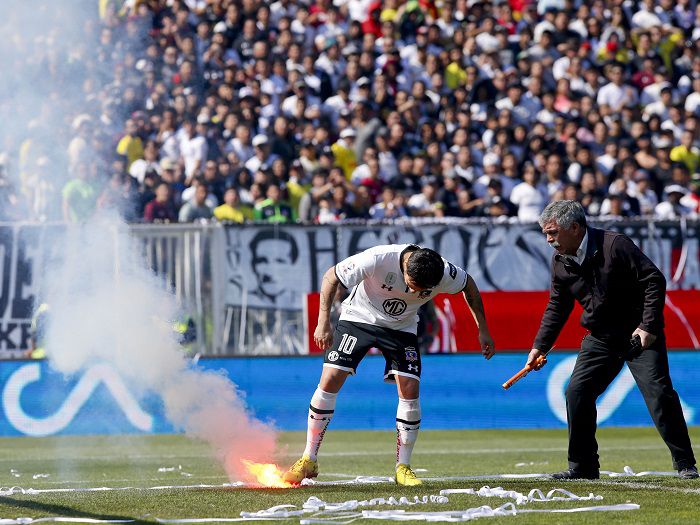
326,111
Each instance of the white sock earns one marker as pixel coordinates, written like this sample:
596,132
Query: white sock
407,425
320,414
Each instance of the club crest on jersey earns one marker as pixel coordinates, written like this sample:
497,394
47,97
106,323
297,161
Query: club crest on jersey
411,354
333,356
394,306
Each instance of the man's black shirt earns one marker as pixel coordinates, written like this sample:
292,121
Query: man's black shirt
618,287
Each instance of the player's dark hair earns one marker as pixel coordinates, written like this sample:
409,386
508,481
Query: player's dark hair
425,267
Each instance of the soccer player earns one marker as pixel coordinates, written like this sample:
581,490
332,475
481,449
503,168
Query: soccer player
389,283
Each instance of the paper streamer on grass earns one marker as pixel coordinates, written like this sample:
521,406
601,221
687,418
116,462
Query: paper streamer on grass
319,512
314,504
628,472
522,499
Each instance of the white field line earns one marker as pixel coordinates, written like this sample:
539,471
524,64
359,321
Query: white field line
222,478
652,486
354,480
419,451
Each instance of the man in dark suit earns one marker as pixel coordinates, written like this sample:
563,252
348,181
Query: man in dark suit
622,294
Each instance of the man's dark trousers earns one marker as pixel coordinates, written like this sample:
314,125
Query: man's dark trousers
597,365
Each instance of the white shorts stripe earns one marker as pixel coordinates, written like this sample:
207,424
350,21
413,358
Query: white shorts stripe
347,369
397,373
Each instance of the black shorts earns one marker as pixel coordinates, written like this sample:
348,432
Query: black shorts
352,341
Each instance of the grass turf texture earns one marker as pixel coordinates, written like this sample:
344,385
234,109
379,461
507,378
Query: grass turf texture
133,461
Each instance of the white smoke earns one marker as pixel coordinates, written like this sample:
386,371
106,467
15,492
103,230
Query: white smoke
106,306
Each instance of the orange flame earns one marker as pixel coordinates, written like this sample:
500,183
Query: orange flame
266,474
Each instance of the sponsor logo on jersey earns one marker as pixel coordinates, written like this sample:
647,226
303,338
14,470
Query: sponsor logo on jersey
453,270
333,356
411,354
394,306
413,368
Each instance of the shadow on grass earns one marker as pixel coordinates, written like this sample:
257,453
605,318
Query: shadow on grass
62,510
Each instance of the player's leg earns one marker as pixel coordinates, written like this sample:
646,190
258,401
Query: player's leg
404,366
408,415
322,407
350,344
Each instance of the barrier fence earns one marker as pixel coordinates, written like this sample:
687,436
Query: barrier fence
247,286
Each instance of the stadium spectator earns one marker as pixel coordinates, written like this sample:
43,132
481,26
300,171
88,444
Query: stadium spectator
161,209
196,208
79,196
130,145
232,210
429,89
426,203
643,193
529,196
273,208
262,158
388,208
672,207
335,208
193,149
692,199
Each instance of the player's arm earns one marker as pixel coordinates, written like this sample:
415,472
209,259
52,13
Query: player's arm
476,305
323,335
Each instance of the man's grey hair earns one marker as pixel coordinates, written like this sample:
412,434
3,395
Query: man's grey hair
564,213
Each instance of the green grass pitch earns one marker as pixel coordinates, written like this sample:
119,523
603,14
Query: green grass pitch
134,461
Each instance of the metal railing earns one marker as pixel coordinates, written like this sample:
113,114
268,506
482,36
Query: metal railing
211,270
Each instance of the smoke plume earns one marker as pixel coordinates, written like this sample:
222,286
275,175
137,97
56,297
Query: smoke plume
105,304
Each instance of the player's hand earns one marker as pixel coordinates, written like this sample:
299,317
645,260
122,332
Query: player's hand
645,337
323,336
486,343
532,359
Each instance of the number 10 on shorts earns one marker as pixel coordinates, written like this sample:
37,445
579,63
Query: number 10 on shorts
347,343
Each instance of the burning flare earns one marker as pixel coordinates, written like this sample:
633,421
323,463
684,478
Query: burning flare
266,474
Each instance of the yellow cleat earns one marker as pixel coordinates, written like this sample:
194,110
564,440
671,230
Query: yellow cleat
405,476
303,468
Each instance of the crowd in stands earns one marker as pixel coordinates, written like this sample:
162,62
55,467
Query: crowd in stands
327,110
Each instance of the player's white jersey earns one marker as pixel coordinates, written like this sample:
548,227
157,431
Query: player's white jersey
378,293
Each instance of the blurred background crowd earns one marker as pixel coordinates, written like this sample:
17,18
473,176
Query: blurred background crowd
321,111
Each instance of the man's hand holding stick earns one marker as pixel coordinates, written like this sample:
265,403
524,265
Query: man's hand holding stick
538,362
